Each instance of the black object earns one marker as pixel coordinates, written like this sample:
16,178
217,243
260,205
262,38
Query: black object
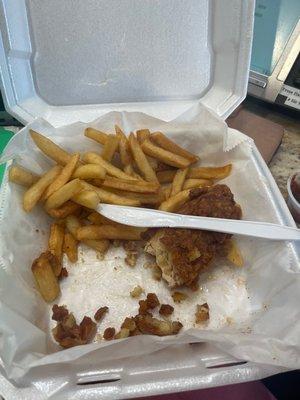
284,386
5,118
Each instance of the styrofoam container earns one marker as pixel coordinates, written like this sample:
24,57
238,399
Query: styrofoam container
70,60
74,60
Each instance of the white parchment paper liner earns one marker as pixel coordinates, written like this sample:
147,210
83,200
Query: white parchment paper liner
254,310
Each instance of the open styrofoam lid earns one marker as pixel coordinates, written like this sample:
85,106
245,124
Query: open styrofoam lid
70,60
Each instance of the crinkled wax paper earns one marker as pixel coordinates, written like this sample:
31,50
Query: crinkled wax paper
254,310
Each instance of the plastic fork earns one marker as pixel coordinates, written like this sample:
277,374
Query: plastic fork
144,217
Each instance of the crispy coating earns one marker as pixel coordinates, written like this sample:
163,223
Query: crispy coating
182,254
152,301
109,333
100,313
59,312
67,332
202,313
153,326
88,329
136,292
129,323
166,310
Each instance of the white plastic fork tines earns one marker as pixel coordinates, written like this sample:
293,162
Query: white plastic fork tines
144,217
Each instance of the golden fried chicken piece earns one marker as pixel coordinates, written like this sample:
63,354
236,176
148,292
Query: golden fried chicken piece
182,254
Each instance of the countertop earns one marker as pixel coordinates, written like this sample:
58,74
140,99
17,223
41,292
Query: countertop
287,158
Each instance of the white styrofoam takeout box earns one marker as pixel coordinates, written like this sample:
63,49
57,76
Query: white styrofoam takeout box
70,60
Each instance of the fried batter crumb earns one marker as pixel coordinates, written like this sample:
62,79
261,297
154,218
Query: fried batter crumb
131,249
166,310
156,272
100,256
136,332
67,332
63,273
109,333
153,326
143,309
130,246
124,333
202,313
136,292
178,297
88,329
131,259
144,323
129,323
100,313
116,243
152,301
59,312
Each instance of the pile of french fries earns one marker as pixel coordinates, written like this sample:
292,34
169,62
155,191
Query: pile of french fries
143,169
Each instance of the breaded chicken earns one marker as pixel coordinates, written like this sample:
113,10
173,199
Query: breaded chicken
182,254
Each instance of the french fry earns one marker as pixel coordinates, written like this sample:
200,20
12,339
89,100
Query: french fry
141,160
34,193
119,131
161,166
66,209
89,171
191,183
153,163
109,232
73,224
50,149
55,245
63,177
70,247
101,246
130,186
173,203
99,219
178,181
64,194
124,149
234,254
197,173
128,169
167,144
166,176
96,135
46,281
164,155
111,198
210,172
142,198
142,135
125,153
21,176
87,198
167,192
94,158
96,182
110,147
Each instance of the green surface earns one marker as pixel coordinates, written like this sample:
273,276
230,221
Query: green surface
4,138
